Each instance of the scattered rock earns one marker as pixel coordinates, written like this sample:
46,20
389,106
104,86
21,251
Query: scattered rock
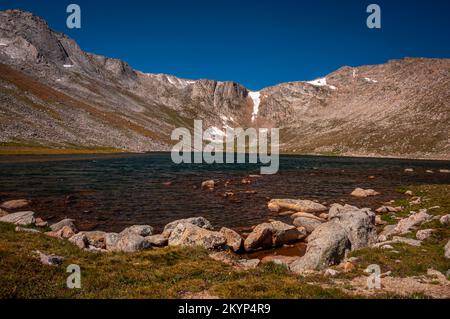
41,223
284,261
272,234
210,184
233,239
424,234
400,240
308,221
447,250
130,242
326,246
21,218
157,240
416,201
359,192
297,205
406,224
388,209
186,234
50,260
247,264
141,230
15,204
445,220
79,240
62,223
197,221
429,171
27,230
409,193
246,181
330,272
388,232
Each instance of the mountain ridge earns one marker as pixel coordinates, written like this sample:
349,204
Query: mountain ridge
397,109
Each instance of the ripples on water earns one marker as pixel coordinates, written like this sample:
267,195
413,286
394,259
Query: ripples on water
116,191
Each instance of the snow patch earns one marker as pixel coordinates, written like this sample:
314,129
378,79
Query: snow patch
321,82
256,97
68,65
3,44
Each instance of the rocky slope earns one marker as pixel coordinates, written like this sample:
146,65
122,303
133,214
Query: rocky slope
54,94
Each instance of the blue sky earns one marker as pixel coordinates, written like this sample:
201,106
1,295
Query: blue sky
255,43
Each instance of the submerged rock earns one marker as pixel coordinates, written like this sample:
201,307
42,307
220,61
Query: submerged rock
359,192
297,205
15,204
21,218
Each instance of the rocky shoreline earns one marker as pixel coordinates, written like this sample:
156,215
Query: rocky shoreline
330,233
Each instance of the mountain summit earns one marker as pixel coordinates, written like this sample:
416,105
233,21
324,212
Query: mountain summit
54,94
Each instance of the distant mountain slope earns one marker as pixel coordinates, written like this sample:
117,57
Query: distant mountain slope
54,94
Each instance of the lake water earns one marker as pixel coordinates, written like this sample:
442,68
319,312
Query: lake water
111,192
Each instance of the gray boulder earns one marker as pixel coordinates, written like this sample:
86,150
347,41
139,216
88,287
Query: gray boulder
65,222
326,246
358,223
234,240
141,230
130,242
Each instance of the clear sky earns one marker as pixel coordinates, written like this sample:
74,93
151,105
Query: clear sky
254,42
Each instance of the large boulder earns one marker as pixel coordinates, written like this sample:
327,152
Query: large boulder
417,219
326,246
187,234
358,223
21,218
65,222
197,221
234,240
80,240
141,230
96,239
297,205
111,240
272,234
308,221
15,204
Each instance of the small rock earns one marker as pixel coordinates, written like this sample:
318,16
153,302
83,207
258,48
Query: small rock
409,193
379,221
209,184
416,201
446,171
21,218
50,260
27,230
15,204
424,234
409,170
359,192
247,264
331,272
233,239
79,240
41,223
141,230
297,205
429,171
62,223
348,266
445,220
157,240
447,250
387,247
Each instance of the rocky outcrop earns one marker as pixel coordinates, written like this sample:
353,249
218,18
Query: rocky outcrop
297,205
21,218
187,234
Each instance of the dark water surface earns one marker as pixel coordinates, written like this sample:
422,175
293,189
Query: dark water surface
111,192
